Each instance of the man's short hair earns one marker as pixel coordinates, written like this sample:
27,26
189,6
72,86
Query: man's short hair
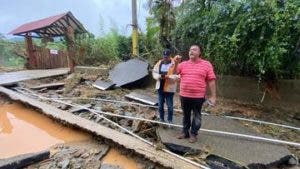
199,46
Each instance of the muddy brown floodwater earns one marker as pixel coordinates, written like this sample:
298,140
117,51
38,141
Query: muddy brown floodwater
116,158
23,130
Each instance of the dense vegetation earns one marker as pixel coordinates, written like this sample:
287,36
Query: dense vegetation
256,38
11,53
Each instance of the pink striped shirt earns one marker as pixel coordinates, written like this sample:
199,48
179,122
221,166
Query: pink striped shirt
194,76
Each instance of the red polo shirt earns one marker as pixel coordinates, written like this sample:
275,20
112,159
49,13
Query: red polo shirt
194,77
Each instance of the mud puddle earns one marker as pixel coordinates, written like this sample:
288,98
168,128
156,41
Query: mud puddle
114,157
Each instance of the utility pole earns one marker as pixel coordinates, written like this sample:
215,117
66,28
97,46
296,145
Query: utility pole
134,29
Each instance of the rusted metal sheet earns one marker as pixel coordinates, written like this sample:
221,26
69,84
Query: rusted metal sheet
129,73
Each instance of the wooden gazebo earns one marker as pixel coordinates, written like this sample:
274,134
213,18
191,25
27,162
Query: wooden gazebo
55,26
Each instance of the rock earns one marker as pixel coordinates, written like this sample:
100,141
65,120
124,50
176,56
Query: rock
104,149
59,91
43,90
92,116
297,116
64,107
85,155
124,107
127,114
150,115
293,161
108,108
215,161
65,163
78,154
74,151
181,150
98,119
124,123
95,151
137,125
110,166
76,93
120,112
77,166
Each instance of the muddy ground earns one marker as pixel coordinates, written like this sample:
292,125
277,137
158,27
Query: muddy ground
92,153
80,86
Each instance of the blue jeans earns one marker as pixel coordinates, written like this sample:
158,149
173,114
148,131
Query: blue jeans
191,122
168,97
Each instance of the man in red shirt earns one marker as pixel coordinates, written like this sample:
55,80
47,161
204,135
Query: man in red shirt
195,75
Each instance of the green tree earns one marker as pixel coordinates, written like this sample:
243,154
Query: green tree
163,12
248,38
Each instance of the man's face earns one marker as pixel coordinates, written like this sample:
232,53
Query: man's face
194,52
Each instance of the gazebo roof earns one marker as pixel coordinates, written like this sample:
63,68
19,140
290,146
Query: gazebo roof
52,26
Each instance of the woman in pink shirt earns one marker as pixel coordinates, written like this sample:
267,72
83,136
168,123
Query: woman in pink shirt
195,74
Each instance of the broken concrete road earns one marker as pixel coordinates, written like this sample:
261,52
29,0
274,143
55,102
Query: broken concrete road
119,138
13,77
239,150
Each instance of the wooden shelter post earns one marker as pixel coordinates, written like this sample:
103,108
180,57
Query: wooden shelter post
31,60
70,47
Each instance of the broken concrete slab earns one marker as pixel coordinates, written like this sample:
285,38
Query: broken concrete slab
243,151
128,73
102,85
48,86
128,142
13,77
79,109
24,160
144,98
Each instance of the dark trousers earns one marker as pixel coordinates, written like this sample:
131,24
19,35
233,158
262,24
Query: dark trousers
168,97
188,105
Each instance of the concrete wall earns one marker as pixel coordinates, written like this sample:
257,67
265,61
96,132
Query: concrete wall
248,90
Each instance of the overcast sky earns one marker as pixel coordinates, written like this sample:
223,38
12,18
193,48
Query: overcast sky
89,12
